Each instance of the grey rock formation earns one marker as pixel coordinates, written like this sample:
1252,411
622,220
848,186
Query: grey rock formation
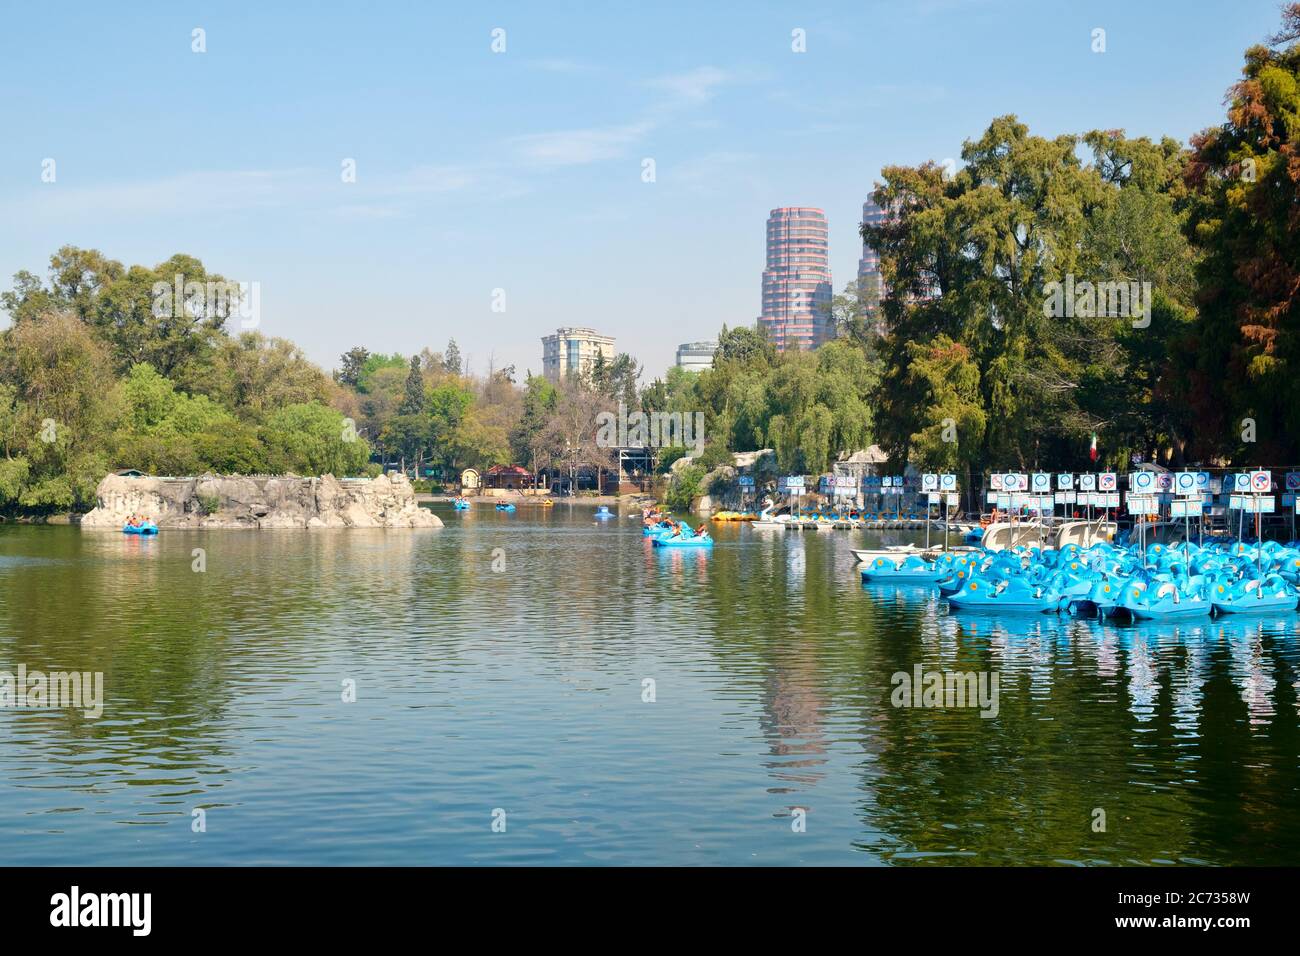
236,501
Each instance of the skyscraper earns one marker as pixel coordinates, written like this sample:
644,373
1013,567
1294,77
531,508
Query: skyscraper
797,280
870,286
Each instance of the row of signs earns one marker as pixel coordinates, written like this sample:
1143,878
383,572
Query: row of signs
1097,499
1140,482
1195,507
938,482
1040,482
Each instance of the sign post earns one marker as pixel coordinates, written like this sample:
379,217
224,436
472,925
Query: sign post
948,489
930,488
1088,484
1260,483
1293,486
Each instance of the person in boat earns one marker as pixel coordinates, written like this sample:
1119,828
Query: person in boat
701,532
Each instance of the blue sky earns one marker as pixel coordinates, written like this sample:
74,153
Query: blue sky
522,170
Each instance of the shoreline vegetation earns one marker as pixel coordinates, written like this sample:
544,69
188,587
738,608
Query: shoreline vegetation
1047,291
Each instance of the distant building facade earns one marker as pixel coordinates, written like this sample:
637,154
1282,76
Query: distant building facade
573,351
871,287
797,280
696,356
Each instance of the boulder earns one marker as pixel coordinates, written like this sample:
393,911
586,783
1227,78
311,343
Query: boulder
277,502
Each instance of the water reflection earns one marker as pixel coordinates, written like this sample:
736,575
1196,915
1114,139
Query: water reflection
500,661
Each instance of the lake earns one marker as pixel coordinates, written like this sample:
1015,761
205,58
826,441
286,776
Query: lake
547,688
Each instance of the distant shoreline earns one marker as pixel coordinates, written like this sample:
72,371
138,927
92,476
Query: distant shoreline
536,500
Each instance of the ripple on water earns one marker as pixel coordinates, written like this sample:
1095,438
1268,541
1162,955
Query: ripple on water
526,690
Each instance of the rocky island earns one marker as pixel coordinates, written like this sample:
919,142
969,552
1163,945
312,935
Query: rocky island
272,502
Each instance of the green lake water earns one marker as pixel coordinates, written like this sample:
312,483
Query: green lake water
502,667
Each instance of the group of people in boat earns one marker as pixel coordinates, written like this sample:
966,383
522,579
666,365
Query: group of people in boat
137,521
651,517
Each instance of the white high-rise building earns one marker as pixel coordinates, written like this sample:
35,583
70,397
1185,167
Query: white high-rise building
572,350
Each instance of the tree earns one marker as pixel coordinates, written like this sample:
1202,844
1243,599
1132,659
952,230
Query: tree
452,361
976,256
59,405
570,432
413,401
1246,219
253,375
310,439
743,344
350,364
77,278
855,314
529,438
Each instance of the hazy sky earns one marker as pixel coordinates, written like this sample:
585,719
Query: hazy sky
522,170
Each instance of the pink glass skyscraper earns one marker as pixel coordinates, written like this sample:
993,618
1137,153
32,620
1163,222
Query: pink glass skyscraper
870,286
797,280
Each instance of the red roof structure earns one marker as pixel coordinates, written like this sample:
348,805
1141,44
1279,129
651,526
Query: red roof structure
508,476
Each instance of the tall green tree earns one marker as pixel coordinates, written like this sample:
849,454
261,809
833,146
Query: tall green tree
413,400
981,256
452,361
1246,220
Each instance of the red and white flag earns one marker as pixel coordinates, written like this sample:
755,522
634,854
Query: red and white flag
1092,449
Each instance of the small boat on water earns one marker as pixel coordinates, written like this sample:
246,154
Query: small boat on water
505,507
1164,603
460,504
1009,594
766,521
911,570
682,541
604,512
144,527
892,552
1254,595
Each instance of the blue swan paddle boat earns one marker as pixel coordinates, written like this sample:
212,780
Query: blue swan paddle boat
1272,593
687,539
911,570
1011,594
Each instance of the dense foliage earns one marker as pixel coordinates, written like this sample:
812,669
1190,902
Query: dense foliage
1008,337
1047,290
94,378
